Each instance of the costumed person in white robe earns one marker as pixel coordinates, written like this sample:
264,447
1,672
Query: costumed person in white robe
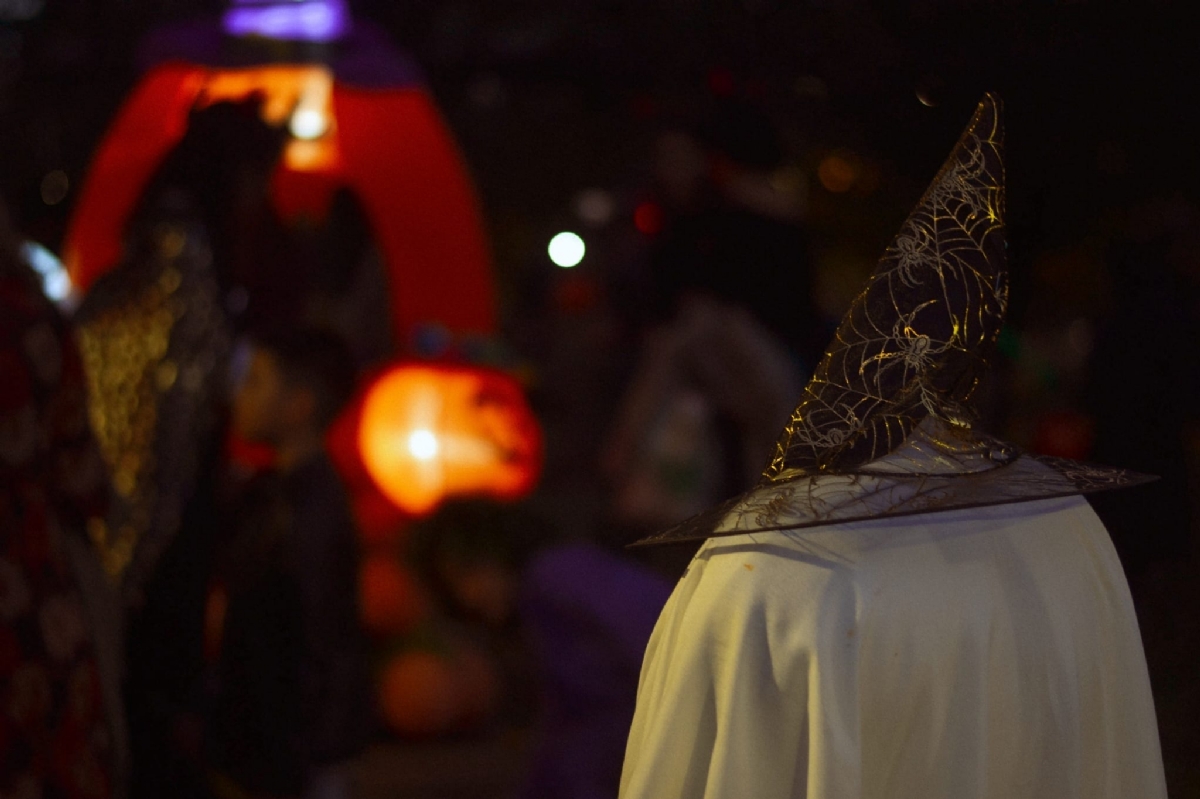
904,606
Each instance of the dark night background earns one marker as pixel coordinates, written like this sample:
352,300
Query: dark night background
549,98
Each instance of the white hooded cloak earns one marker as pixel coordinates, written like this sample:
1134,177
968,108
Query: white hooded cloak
986,653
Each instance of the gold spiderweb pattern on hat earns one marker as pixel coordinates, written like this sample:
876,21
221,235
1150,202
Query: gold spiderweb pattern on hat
885,428
914,343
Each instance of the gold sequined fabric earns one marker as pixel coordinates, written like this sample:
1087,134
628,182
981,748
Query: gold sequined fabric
154,341
887,426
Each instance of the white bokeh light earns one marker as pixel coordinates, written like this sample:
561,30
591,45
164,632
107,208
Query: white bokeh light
566,249
423,445
56,283
308,124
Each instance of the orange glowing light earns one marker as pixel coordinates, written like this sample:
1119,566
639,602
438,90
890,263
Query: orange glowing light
428,432
837,173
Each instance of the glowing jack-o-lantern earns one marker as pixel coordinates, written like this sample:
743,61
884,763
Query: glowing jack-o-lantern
428,432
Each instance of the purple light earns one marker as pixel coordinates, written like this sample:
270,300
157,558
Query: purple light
296,20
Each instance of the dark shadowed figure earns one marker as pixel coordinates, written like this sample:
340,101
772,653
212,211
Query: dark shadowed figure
292,690
61,724
155,335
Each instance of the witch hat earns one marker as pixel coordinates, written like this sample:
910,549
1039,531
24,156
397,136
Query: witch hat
887,425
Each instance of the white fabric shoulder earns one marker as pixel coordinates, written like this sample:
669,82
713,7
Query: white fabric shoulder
990,653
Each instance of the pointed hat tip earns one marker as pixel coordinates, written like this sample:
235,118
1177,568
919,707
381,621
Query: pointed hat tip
914,343
990,106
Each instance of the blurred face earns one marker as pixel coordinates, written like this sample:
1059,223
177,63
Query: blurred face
260,406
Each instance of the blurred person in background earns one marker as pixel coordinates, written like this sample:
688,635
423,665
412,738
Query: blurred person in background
737,328
155,334
731,233
586,613
706,399
349,284
61,720
292,699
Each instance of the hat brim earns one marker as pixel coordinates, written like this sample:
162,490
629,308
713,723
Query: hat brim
825,499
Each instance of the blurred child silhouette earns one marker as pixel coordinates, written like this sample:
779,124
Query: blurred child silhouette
292,697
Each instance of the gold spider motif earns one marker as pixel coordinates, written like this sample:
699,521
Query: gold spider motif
961,184
916,350
912,252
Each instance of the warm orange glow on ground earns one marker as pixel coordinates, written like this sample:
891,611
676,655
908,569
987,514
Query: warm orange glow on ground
430,432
